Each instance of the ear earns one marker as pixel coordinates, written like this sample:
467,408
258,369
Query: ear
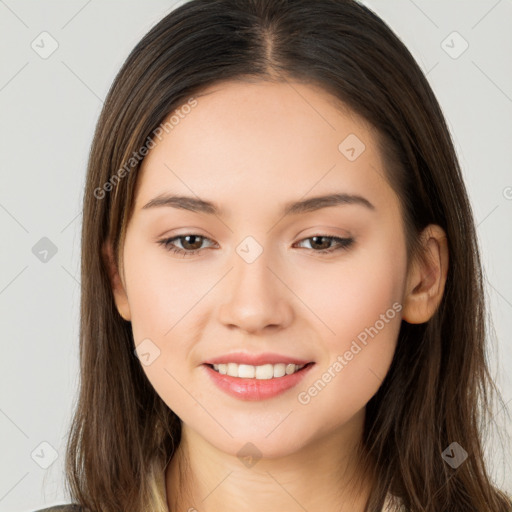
427,277
118,288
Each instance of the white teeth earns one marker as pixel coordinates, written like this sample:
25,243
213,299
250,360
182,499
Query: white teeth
291,368
263,372
232,369
245,371
280,370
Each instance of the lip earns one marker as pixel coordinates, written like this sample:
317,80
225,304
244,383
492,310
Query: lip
256,359
256,389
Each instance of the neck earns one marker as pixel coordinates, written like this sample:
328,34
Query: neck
321,475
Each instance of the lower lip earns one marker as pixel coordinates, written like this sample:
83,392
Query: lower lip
256,389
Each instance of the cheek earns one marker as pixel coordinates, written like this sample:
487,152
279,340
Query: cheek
359,304
165,304
159,298
159,294
158,306
351,295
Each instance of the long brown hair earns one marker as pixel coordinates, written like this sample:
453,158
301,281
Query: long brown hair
438,389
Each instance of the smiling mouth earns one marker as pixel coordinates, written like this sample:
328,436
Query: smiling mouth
261,372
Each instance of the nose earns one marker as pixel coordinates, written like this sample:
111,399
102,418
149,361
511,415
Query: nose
254,297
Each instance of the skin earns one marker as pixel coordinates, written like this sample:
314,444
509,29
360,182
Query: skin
251,148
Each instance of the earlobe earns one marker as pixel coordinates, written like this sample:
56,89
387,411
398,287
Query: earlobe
117,286
427,277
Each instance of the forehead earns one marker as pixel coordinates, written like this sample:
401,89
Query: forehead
247,142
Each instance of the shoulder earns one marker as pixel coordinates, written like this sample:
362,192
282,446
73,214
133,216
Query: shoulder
62,508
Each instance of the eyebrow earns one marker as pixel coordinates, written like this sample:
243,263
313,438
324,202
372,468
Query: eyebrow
195,204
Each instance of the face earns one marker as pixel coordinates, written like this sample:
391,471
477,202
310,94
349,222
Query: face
322,285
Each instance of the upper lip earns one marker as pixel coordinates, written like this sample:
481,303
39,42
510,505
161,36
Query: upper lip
255,359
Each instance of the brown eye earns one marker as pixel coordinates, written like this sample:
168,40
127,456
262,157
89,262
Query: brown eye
322,243
191,244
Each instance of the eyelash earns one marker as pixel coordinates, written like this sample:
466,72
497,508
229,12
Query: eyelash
343,244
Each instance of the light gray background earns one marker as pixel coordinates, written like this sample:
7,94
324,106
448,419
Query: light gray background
49,108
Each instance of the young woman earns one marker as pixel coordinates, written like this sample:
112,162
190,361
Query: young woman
282,303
